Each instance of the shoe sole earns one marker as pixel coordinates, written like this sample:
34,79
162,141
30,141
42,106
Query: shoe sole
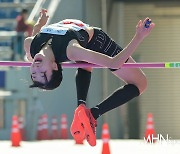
77,130
90,136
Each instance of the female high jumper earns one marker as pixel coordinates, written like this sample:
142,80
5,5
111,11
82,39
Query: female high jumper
73,40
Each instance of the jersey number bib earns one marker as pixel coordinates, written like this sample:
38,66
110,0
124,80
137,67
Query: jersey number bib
62,27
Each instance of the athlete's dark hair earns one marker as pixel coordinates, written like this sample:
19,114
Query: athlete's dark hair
54,82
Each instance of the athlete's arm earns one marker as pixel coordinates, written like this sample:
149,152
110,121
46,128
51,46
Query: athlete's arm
42,20
75,52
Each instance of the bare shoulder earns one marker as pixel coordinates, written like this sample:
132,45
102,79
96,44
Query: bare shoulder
27,43
28,40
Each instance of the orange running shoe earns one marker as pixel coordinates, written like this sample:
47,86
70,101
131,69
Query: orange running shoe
77,129
89,124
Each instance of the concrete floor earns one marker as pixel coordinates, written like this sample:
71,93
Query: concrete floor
69,147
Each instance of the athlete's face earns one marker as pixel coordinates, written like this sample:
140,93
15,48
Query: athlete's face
41,69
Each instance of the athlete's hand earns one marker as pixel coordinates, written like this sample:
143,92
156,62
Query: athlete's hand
141,30
42,20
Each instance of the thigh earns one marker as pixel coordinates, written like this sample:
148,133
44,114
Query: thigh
131,75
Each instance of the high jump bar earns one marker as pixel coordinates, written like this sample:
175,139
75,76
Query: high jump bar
85,65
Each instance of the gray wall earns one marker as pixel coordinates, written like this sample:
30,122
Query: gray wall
69,9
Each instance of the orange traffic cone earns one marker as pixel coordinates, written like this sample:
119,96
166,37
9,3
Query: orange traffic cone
21,127
105,139
39,129
45,132
54,128
150,132
63,127
15,132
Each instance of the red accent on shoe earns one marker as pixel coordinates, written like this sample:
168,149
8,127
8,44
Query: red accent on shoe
89,124
77,129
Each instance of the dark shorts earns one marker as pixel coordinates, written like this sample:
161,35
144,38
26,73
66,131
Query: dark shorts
102,43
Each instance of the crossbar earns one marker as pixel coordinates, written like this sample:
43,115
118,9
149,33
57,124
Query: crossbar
85,65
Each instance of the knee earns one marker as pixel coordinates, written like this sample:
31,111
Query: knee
142,85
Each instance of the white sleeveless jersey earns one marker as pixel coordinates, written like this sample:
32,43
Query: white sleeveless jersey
63,26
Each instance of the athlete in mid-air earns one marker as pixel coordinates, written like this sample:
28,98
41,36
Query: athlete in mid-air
73,40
